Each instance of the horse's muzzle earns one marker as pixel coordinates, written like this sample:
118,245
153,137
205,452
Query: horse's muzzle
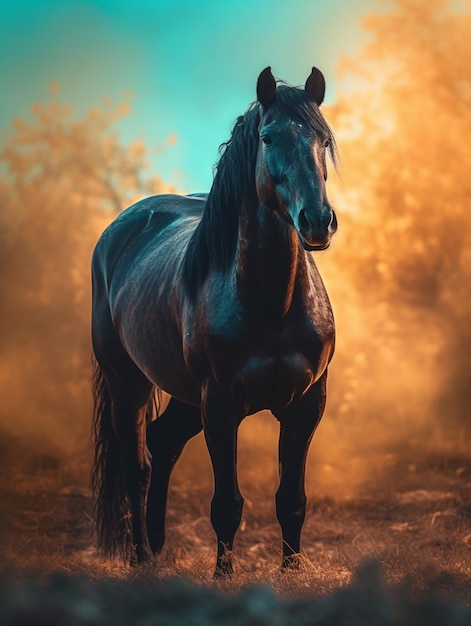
316,231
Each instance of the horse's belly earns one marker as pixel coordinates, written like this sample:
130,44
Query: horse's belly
266,382
156,349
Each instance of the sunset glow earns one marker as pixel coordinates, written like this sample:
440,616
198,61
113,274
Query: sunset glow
76,150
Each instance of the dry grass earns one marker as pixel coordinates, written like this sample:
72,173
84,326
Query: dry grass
387,539
413,518
412,527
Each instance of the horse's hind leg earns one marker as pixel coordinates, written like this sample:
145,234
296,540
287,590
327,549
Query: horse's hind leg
129,410
121,470
166,438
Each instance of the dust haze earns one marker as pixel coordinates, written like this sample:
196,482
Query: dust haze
397,273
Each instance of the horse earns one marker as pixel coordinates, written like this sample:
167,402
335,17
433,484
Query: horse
216,300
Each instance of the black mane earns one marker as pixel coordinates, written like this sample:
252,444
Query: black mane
215,239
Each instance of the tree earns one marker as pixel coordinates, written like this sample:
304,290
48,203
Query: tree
62,179
404,134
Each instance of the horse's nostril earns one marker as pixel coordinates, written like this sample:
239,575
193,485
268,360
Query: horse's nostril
333,225
303,221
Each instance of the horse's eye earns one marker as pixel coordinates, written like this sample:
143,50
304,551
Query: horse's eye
326,143
267,140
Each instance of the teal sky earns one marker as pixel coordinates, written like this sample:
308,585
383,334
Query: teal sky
191,65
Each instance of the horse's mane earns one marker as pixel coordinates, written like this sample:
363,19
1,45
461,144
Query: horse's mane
214,242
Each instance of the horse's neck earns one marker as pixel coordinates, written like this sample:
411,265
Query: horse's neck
268,261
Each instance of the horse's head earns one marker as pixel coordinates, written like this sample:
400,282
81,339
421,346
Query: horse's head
291,168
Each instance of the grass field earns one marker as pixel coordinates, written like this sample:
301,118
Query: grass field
411,512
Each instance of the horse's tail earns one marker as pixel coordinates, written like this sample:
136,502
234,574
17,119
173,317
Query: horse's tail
108,484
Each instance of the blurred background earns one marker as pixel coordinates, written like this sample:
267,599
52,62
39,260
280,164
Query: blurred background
106,102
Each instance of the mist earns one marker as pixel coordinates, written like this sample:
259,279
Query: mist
397,273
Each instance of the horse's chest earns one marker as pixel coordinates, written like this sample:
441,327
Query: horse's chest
270,382
268,368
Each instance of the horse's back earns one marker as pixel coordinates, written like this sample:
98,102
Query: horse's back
144,224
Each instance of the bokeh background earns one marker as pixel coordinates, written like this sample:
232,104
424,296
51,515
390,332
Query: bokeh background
189,66
106,102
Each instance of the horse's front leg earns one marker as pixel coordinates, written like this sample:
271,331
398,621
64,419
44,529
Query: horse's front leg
298,423
220,424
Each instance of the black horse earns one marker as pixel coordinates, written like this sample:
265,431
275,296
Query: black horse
216,300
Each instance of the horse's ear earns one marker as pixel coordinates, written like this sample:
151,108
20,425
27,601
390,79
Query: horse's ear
315,86
266,88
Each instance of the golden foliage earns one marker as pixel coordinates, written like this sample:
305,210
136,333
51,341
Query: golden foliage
404,245
398,271
62,179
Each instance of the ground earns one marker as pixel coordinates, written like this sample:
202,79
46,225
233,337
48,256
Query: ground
413,518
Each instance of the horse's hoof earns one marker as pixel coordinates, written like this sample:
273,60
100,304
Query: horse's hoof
156,545
223,573
139,557
291,562
224,568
